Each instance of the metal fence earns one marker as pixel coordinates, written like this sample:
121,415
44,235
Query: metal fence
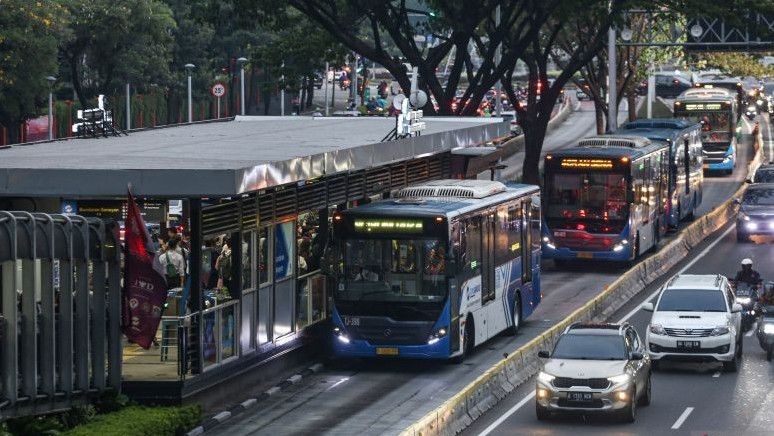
60,310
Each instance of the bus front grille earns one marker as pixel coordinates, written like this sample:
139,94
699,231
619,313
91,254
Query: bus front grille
393,334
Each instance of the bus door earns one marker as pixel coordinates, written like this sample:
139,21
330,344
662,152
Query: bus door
526,242
493,319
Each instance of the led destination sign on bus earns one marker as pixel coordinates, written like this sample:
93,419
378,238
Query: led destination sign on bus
600,164
388,226
703,106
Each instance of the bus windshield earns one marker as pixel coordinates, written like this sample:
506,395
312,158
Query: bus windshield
589,195
715,126
393,270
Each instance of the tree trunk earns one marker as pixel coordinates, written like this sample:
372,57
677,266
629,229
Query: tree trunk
77,81
631,100
309,91
533,145
599,114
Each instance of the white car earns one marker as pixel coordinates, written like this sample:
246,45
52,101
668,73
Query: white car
695,319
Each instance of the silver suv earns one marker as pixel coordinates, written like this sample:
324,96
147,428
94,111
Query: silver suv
594,368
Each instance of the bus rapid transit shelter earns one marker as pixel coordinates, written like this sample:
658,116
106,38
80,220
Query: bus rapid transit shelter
59,303
259,188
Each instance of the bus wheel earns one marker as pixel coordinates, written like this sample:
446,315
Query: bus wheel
467,341
515,317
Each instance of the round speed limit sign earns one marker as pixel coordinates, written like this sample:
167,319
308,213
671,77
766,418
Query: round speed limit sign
218,89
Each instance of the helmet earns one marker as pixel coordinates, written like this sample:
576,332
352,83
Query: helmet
747,261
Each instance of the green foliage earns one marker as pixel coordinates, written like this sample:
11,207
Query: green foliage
736,64
29,35
35,425
140,421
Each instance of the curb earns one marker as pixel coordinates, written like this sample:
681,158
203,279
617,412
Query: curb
459,411
225,415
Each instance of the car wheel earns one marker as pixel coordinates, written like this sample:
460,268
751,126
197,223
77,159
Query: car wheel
541,412
646,396
733,364
515,317
629,414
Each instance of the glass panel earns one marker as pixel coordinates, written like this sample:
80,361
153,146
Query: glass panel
264,315
319,297
227,331
284,242
248,314
247,260
471,256
263,255
283,307
302,302
309,242
209,341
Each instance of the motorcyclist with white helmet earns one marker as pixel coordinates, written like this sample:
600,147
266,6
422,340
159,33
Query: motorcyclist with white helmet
748,274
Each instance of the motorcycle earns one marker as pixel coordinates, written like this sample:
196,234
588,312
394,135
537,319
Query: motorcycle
747,297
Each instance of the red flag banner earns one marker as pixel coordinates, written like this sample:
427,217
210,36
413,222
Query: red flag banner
145,288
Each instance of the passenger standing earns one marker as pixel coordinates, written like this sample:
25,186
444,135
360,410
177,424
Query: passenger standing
173,263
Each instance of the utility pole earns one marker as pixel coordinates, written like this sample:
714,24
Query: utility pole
282,90
354,81
51,80
325,88
612,75
128,106
188,68
651,89
498,54
242,61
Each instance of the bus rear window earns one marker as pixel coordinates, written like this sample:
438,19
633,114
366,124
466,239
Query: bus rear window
587,196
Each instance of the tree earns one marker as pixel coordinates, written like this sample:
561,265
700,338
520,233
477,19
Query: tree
29,35
117,41
735,64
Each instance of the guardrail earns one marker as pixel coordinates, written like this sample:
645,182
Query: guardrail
458,412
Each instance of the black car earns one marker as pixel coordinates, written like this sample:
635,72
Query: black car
670,86
756,212
764,174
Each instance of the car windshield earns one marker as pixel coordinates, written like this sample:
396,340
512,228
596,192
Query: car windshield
759,197
402,270
590,347
692,300
764,175
587,195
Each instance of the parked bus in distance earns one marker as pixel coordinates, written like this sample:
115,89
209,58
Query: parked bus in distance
605,199
716,110
437,270
686,178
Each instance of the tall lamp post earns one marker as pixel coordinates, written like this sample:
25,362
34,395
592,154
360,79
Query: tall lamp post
189,68
51,80
242,62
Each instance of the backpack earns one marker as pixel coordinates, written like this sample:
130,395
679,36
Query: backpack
171,268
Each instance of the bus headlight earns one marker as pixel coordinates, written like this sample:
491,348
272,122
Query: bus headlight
620,246
768,329
751,226
340,335
743,216
549,243
437,335
727,159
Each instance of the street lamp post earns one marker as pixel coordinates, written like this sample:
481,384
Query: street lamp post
188,68
242,62
499,84
612,82
51,80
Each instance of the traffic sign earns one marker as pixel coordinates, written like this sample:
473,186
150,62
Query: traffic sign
218,89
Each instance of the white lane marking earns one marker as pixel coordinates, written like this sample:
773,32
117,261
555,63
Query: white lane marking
338,383
753,328
685,268
716,375
505,416
682,418
531,395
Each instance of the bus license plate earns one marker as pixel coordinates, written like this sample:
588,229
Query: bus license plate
387,351
706,166
585,255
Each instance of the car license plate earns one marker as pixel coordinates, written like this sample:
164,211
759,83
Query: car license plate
585,255
688,345
580,396
387,351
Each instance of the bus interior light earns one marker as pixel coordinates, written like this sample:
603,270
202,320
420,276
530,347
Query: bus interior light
439,219
624,159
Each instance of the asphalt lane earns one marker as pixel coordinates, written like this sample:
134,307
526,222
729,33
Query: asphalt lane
383,397
688,398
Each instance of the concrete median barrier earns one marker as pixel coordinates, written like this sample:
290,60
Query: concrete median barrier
519,366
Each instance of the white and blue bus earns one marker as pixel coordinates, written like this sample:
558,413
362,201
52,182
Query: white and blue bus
605,199
716,110
437,270
686,177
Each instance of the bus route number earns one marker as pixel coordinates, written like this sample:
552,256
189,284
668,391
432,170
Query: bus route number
352,321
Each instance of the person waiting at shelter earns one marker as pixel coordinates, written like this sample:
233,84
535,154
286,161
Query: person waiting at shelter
173,263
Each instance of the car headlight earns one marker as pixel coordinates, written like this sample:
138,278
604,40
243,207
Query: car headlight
437,335
620,379
743,300
743,216
657,329
719,331
759,102
545,377
768,329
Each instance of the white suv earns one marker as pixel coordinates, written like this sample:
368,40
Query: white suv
695,318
